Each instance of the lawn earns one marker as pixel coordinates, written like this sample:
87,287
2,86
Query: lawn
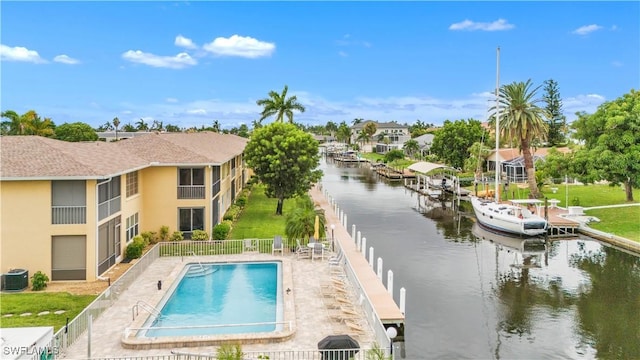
34,303
623,221
259,220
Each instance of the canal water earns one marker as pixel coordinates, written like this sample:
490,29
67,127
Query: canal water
475,295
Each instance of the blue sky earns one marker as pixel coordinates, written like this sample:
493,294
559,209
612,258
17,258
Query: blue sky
190,63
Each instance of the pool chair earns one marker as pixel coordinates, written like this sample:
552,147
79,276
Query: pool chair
354,327
344,313
277,245
249,245
317,251
302,252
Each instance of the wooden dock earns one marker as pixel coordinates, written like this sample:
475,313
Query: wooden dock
383,304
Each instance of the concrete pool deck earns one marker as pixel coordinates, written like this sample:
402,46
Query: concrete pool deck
312,316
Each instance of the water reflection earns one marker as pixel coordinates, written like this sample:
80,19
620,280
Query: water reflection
470,296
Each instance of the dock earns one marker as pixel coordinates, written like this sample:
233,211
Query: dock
382,301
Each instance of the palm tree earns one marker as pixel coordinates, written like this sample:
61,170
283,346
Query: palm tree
116,123
280,105
522,120
41,127
411,147
141,125
300,223
369,128
14,125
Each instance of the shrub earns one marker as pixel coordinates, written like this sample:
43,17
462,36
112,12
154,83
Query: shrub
230,352
134,250
39,281
163,235
199,235
241,201
149,237
176,236
221,230
232,213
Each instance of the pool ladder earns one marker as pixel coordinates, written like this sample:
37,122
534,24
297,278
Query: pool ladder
141,304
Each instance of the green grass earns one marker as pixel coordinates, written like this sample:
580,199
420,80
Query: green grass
35,303
623,221
259,219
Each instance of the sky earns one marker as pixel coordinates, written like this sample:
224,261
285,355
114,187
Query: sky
190,63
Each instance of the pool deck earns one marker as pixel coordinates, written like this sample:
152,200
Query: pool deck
312,316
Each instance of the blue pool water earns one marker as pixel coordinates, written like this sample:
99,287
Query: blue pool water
211,297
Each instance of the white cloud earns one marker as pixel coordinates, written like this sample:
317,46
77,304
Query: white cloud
586,29
127,112
197,112
585,102
19,53
184,42
498,25
179,61
65,59
241,46
171,100
343,54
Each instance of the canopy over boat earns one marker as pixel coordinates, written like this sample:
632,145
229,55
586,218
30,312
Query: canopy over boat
426,167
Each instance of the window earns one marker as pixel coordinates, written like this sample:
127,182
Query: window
191,183
192,177
132,183
68,257
190,219
68,202
132,226
215,179
109,197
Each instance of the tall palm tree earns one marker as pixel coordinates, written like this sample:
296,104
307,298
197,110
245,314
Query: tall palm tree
14,124
411,147
280,105
116,123
141,125
522,120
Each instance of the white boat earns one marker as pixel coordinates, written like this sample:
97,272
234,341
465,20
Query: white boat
513,218
531,247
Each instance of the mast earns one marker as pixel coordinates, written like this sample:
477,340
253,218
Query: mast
497,186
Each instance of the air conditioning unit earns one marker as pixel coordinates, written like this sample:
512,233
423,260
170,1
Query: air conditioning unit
16,280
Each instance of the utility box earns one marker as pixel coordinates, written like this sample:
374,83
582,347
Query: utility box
16,280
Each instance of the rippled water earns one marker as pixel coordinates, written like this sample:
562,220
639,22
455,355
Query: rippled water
470,295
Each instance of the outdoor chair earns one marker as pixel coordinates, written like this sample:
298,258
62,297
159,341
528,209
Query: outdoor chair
302,252
249,245
277,245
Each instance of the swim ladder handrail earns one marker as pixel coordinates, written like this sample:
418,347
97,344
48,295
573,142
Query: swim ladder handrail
195,256
145,306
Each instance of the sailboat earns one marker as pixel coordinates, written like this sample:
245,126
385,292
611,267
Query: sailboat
508,218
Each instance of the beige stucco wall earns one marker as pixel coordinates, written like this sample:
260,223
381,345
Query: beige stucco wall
26,229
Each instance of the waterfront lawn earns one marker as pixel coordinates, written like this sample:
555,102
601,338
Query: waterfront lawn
259,219
34,303
623,221
580,195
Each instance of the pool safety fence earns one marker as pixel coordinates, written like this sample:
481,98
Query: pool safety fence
310,354
192,248
70,333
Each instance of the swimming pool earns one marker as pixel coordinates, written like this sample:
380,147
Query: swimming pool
220,298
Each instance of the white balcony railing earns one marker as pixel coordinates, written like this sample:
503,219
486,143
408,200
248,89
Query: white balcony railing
108,207
68,214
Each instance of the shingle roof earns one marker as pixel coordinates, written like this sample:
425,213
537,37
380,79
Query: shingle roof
380,125
39,157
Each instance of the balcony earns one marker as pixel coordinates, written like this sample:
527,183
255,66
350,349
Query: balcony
68,215
108,207
191,192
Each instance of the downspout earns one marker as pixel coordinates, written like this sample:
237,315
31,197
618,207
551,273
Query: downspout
97,240
209,202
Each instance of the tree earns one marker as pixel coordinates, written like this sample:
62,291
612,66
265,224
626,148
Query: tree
116,123
612,142
28,123
172,128
357,121
75,132
332,128
556,121
280,105
369,129
478,152
285,159
141,125
216,126
129,128
300,222
344,133
411,147
451,143
521,120
157,125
